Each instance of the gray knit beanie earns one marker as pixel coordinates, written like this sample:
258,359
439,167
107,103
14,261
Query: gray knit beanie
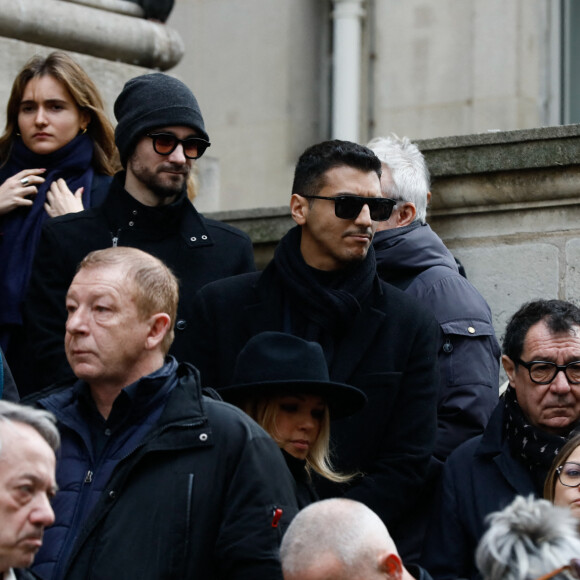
151,101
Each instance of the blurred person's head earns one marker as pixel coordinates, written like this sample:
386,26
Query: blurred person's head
529,538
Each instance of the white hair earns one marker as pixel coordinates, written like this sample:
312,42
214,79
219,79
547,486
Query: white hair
346,529
528,539
41,421
408,171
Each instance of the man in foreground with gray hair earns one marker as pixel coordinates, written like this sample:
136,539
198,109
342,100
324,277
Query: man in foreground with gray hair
530,538
28,441
341,539
412,257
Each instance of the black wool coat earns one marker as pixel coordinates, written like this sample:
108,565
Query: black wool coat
389,352
198,250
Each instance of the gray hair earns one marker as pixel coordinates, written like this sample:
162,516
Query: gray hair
343,528
528,539
42,421
408,171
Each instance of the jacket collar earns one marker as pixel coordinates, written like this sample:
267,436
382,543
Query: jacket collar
494,445
124,214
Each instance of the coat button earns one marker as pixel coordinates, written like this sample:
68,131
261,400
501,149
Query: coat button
471,330
181,324
203,437
204,237
193,239
131,224
112,494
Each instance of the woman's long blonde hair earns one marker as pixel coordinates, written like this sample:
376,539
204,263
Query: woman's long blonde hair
85,94
264,410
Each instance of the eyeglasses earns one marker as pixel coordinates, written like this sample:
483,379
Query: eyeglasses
544,372
166,143
348,207
573,567
569,474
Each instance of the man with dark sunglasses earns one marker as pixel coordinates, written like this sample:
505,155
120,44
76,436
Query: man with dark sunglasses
159,135
538,413
322,286
412,257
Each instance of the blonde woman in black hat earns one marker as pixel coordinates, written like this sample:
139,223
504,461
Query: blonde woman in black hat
282,382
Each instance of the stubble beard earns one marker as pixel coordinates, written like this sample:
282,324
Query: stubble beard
164,185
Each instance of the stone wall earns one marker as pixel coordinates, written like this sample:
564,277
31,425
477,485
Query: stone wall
506,204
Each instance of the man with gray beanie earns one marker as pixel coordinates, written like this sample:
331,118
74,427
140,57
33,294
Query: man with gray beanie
160,132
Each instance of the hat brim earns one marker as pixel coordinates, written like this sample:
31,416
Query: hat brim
342,400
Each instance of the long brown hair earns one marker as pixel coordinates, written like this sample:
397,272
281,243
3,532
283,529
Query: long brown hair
72,76
560,459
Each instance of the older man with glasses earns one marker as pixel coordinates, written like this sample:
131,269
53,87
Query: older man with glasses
159,135
539,412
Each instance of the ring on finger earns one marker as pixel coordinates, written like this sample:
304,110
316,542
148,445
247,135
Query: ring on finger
24,181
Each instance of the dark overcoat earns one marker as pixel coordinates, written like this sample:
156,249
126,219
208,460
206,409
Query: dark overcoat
480,477
198,250
389,352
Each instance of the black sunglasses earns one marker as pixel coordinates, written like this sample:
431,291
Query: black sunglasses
348,207
166,143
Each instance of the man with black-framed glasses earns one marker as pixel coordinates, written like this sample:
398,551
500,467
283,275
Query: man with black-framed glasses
160,134
539,412
322,286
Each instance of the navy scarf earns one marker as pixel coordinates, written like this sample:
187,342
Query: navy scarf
20,229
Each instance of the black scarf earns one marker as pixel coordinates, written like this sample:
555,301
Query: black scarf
323,305
21,227
534,446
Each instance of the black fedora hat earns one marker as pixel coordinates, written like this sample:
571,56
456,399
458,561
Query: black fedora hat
273,363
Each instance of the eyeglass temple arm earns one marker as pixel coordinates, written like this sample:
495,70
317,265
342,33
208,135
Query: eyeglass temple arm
554,573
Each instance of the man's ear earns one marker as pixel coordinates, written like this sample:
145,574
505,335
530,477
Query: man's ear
406,213
299,207
509,367
160,324
391,566
428,197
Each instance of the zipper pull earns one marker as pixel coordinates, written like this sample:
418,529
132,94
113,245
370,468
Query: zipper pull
89,477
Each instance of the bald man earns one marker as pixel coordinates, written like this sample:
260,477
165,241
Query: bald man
342,539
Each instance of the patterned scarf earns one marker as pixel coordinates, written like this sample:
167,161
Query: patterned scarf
534,446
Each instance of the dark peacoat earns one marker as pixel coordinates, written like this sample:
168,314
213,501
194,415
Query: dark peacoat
389,353
198,250
480,477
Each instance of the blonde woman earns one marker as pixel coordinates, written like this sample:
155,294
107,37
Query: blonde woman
282,382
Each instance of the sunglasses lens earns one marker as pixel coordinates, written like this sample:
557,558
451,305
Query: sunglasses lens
194,148
381,209
164,144
348,207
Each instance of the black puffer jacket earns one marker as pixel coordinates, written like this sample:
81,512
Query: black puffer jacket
198,251
195,499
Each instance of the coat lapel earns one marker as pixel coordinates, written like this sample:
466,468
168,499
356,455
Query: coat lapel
350,351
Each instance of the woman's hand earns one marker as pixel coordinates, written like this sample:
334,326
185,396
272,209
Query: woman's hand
16,191
61,200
